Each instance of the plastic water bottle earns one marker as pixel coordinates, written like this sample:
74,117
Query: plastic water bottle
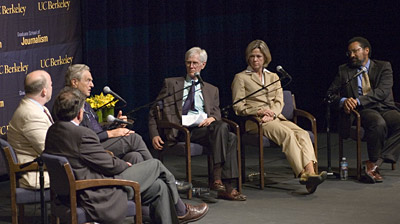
200,191
344,168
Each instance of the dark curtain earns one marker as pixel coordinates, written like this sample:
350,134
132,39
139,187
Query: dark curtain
131,46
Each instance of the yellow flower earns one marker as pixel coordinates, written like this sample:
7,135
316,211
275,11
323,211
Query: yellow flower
98,101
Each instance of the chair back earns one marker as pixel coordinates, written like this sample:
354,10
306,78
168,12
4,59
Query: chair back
289,106
59,177
4,169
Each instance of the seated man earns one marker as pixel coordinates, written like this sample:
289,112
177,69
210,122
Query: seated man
370,94
29,124
89,160
200,100
124,143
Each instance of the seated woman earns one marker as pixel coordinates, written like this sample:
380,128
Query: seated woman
267,106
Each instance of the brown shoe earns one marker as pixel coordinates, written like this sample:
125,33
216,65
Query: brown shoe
233,196
372,173
194,213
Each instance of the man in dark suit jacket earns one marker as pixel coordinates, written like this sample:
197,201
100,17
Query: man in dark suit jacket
124,143
89,160
371,94
211,131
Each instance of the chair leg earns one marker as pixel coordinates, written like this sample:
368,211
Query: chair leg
393,165
21,213
261,164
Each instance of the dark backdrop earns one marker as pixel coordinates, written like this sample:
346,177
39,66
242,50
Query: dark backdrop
132,46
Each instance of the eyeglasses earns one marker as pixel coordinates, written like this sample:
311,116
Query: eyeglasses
354,51
195,63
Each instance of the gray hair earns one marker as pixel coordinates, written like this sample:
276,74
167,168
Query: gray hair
75,72
196,50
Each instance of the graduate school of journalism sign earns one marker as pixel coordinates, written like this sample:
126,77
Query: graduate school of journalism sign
35,35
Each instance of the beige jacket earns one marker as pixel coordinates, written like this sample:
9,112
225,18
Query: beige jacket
247,82
26,134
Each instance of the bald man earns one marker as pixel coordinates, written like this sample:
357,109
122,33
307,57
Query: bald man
29,124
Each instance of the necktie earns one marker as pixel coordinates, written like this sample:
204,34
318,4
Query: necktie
48,115
366,85
93,123
189,103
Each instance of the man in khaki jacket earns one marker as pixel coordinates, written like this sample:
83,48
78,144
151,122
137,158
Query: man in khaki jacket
29,124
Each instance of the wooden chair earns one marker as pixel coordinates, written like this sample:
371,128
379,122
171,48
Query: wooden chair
356,133
259,140
189,149
64,190
20,196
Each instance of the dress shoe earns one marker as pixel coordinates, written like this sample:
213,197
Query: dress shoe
313,180
194,213
233,196
372,173
183,186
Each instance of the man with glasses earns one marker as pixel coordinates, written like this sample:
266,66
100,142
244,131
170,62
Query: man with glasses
199,100
371,94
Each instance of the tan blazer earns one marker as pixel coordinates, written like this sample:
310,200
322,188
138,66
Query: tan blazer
26,134
247,82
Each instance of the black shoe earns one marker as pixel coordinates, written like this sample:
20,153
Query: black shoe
312,181
183,186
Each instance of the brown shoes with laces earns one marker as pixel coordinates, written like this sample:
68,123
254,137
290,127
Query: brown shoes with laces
194,213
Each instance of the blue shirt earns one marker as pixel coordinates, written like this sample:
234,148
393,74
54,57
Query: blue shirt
198,96
359,83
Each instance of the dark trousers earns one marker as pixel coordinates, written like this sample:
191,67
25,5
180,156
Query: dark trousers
157,189
130,148
222,143
382,132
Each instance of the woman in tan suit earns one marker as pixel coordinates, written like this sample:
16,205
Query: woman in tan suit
267,106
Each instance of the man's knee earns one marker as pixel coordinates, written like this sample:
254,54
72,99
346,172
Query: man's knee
133,157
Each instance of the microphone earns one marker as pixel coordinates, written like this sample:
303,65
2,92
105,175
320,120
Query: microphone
197,74
107,90
282,71
111,118
363,70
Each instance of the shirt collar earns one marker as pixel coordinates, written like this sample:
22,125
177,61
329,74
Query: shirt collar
249,69
37,103
74,123
367,65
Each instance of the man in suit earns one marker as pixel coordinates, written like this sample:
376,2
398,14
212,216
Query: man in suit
124,143
202,100
370,94
89,160
29,124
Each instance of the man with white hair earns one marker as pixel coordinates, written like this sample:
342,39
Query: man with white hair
201,101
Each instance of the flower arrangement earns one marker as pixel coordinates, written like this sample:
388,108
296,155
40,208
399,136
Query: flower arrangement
98,101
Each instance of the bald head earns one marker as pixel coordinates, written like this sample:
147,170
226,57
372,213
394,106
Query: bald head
38,86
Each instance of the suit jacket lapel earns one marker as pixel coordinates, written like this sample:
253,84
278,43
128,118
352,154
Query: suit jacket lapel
256,79
371,73
354,83
178,85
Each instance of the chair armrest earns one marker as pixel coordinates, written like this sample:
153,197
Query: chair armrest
234,126
84,184
109,152
307,115
16,166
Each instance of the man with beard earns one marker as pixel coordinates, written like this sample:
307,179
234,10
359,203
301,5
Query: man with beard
371,94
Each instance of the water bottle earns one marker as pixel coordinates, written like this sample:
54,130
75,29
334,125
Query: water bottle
344,168
200,191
